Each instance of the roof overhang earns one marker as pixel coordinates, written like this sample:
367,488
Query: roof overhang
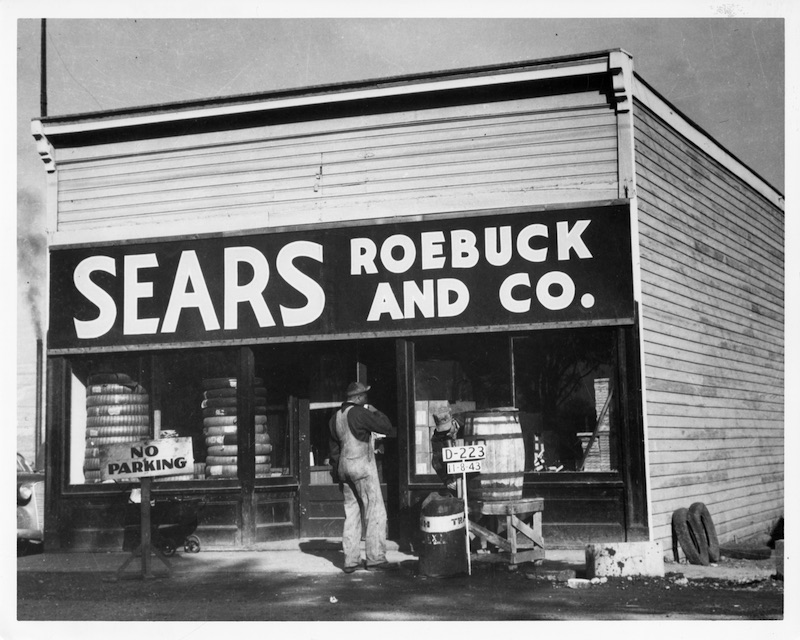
49,132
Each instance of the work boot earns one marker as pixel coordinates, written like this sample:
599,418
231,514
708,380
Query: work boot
354,568
383,566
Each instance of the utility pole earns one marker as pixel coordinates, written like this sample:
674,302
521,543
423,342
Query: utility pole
43,86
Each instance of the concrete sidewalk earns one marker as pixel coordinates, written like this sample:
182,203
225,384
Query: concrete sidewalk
318,557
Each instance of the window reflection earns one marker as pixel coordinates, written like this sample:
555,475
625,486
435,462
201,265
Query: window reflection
563,383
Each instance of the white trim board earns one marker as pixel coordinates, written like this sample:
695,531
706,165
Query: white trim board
100,123
679,123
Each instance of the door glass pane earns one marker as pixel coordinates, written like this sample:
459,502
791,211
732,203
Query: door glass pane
320,373
562,382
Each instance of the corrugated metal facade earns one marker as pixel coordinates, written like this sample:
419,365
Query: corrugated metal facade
518,152
712,300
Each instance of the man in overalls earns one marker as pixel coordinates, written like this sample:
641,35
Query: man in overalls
352,455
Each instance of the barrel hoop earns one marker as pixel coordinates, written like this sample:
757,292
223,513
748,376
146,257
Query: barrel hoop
441,524
492,436
499,476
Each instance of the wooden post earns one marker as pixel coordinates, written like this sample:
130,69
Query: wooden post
466,519
246,447
145,510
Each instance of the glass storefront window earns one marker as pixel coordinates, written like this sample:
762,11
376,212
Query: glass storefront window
110,404
456,374
117,399
564,390
561,383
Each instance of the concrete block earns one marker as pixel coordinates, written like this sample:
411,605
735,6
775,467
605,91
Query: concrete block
624,559
778,555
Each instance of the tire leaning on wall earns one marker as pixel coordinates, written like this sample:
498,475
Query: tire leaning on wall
698,513
688,533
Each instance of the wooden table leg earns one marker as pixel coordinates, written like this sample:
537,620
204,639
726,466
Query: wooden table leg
511,534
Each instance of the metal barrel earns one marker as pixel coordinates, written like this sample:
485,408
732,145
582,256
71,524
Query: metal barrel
444,546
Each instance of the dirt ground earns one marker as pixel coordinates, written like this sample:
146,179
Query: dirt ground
491,593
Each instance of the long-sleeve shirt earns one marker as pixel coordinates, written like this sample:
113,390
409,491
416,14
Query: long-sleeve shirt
363,423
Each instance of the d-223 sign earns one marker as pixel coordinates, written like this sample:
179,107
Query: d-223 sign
465,458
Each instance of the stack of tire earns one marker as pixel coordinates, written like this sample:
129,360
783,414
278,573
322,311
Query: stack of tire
117,411
220,427
694,532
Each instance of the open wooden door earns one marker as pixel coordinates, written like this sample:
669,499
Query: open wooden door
321,503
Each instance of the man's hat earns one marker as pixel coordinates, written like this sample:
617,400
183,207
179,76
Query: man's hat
356,389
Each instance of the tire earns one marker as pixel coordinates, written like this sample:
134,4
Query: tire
222,450
220,421
232,460
117,398
228,430
215,403
232,449
230,392
111,378
693,545
219,411
99,441
213,412
104,432
221,471
699,513
91,475
221,430
92,464
225,421
131,409
117,421
222,383
233,439
231,470
99,389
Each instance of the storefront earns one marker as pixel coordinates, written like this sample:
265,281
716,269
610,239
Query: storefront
222,270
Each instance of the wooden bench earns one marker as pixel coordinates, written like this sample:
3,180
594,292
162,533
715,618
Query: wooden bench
518,534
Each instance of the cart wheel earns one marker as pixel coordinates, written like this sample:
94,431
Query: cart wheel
168,548
192,544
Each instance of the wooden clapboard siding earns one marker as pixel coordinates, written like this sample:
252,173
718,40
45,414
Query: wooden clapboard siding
525,151
713,336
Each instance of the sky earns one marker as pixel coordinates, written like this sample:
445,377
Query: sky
723,64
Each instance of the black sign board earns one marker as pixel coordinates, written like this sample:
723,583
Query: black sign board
566,266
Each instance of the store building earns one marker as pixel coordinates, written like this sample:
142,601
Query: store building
549,235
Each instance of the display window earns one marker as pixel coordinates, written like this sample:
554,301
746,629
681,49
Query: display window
454,375
559,386
564,390
130,398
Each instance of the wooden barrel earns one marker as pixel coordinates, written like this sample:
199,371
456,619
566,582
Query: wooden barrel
504,466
